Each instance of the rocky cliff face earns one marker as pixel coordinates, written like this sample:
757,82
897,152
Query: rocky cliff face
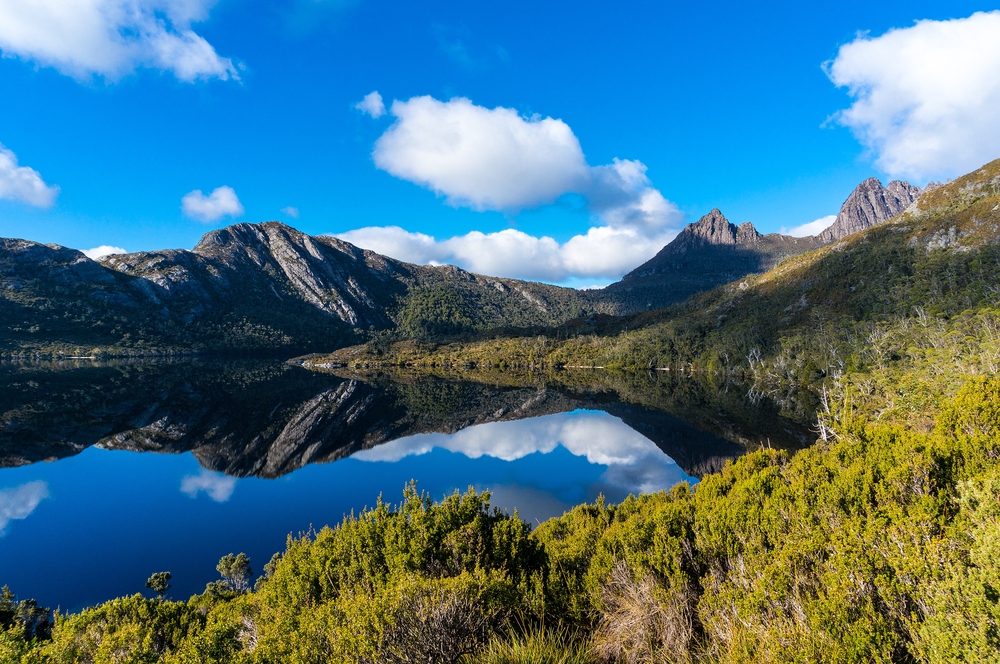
270,262
870,204
713,251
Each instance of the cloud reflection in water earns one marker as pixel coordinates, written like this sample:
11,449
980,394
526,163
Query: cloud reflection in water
20,501
634,463
218,487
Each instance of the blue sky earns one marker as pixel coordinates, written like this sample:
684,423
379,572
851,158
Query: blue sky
724,105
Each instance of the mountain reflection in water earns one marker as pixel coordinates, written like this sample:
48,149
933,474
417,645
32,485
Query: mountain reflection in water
248,451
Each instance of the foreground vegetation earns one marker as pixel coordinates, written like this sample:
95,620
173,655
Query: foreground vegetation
879,544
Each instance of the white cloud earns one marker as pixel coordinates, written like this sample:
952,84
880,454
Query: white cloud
634,463
102,251
20,501
222,202
603,252
496,159
292,212
218,487
927,97
486,159
811,228
112,38
372,105
24,184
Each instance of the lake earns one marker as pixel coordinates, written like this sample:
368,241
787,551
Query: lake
112,471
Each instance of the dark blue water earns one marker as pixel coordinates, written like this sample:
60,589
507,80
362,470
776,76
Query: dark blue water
93,526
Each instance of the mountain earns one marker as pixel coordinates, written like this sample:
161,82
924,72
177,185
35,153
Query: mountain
706,254
888,318
714,251
269,287
249,287
870,204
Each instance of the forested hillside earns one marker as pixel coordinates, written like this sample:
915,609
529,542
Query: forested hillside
886,314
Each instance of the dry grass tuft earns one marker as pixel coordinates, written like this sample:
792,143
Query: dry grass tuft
645,622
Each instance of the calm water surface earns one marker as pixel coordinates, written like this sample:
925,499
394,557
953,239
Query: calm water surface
111,473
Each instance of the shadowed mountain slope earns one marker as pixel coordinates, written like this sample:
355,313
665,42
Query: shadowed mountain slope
713,251
706,254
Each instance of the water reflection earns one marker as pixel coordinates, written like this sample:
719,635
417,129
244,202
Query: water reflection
268,419
159,466
20,501
217,486
634,463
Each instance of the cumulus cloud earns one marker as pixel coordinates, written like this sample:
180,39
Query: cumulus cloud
811,228
222,202
486,159
292,212
102,251
926,97
372,105
23,184
602,252
20,501
496,159
218,487
112,38
634,463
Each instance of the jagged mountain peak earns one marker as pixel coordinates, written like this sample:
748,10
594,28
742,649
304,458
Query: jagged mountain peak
715,229
869,204
270,236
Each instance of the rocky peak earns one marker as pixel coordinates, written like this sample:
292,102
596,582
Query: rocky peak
715,229
747,235
870,204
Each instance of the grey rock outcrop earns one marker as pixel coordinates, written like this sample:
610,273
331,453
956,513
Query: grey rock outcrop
869,204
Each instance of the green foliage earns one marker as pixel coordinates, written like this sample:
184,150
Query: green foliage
433,312
235,571
128,629
23,620
159,583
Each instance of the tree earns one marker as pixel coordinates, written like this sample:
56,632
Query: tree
235,571
159,583
34,621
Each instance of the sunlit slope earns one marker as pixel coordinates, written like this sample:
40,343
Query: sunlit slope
916,295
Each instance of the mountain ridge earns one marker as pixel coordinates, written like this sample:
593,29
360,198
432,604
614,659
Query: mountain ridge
713,251
267,286
249,287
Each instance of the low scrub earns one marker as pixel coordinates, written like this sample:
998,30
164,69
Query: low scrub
879,545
